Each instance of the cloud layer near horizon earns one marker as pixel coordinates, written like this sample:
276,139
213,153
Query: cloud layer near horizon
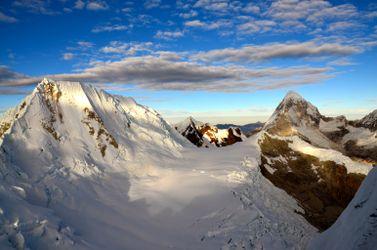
158,73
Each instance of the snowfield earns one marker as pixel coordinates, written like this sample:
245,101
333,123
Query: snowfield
203,200
82,169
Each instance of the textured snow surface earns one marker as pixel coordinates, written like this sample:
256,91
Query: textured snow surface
356,227
153,191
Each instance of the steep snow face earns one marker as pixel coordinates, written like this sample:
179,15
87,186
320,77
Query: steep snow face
62,121
205,135
356,226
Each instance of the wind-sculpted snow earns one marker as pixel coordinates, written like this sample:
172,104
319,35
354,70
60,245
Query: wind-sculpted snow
108,173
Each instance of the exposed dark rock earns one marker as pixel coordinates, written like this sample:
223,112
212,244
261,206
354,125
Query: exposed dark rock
322,188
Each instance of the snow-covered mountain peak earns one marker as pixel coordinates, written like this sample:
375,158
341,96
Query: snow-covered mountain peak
293,111
369,121
188,122
70,122
296,101
293,96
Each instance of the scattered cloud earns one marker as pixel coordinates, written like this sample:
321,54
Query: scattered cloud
79,4
7,19
222,23
12,91
168,35
252,53
35,6
150,4
341,62
85,44
68,56
251,8
91,5
97,5
131,48
157,73
109,28
343,26
190,14
217,7
194,23
11,78
255,26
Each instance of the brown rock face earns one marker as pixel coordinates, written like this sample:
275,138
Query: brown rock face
322,188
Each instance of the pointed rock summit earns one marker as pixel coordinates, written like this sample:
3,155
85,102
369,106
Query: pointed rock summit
369,121
292,112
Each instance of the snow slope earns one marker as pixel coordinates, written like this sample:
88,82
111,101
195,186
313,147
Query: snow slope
148,188
356,228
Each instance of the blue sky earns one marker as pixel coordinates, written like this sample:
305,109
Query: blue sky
217,60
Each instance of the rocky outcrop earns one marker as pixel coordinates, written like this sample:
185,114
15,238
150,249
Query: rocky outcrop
205,135
322,188
188,129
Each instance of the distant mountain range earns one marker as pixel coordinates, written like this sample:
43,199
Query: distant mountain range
246,129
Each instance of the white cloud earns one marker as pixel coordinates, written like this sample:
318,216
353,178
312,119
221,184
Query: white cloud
85,44
212,5
150,4
194,23
109,28
255,26
168,35
7,19
343,25
35,6
79,4
252,53
97,5
251,8
190,14
221,23
68,56
132,48
157,73
91,5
